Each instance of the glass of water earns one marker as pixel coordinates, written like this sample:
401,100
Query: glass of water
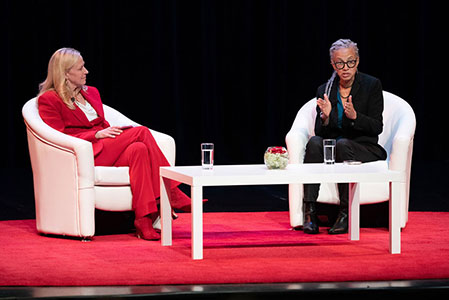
207,156
329,151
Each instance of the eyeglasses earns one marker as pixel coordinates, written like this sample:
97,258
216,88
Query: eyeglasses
341,64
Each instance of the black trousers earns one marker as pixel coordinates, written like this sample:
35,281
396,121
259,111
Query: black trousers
345,149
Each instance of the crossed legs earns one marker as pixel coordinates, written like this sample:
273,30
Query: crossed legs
137,149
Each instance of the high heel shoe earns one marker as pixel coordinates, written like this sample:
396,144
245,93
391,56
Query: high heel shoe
179,200
145,230
157,221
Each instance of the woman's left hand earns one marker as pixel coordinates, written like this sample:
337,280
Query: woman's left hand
349,109
110,132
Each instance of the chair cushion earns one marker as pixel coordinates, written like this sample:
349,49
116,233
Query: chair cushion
370,192
111,176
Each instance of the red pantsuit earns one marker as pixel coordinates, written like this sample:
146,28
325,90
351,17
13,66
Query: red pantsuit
134,147
137,149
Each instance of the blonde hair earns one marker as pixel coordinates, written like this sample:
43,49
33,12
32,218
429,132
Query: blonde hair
60,63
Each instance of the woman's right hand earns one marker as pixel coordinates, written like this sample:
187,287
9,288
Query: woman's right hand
325,107
110,132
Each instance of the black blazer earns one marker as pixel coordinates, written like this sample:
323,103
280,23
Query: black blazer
368,103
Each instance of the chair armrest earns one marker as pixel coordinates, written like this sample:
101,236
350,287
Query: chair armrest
402,144
167,145
165,142
302,129
80,148
296,141
401,153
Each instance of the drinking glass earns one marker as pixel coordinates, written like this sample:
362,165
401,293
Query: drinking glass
207,156
329,151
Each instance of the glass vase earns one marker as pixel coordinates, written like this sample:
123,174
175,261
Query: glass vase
276,158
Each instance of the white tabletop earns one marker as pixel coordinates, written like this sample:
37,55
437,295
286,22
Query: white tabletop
294,173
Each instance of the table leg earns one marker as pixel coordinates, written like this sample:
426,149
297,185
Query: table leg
354,212
395,226
197,222
166,218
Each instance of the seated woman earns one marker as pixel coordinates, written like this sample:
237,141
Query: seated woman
68,105
349,109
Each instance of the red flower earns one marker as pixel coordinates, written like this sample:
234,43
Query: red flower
278,149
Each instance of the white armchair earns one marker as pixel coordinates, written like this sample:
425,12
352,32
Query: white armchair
397,139
67,185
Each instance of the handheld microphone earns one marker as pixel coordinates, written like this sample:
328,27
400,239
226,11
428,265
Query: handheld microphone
329,83
73,99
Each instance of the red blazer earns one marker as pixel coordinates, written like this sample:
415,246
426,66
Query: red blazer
74,122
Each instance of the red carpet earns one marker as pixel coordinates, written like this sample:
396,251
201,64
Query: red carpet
238,248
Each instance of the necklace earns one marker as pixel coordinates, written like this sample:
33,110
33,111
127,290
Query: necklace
78,97
342,87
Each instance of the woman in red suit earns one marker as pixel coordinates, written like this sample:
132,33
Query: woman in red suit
68,105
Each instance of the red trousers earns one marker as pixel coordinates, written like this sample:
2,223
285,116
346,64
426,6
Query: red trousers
137,149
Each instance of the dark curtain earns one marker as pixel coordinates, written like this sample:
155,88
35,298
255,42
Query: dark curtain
230,72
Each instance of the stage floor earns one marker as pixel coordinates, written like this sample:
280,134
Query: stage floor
239,248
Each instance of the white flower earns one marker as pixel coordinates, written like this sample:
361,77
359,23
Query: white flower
276,158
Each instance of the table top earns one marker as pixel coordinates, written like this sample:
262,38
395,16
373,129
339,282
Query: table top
223,175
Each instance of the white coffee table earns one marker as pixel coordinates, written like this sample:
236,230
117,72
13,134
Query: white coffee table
230,175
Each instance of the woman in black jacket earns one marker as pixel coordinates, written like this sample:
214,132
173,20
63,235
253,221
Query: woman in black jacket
349,109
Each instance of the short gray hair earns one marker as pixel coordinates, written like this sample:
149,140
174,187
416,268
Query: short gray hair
343,43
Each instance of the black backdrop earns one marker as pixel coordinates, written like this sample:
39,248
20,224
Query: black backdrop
230,72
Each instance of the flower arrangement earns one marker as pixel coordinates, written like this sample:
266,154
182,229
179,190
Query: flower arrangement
276,158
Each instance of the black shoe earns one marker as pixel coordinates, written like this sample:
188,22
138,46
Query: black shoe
341,225
310,218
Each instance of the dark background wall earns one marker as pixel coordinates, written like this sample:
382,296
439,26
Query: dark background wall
230,72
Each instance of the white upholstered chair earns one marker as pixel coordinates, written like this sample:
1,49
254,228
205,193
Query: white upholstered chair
397,139
67,185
